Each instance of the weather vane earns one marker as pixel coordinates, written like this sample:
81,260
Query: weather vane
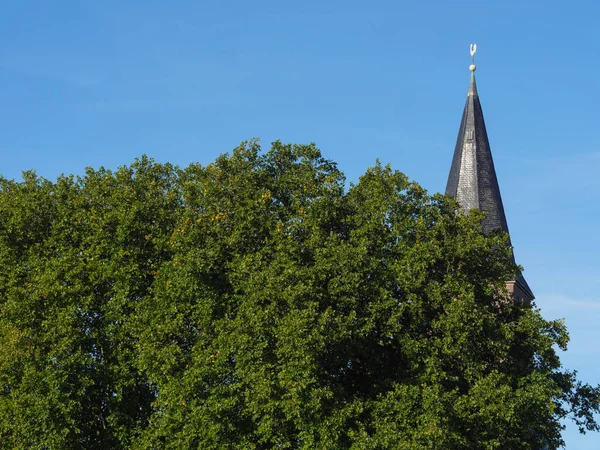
473,49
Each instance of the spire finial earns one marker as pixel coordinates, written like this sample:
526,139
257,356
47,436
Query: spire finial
473,49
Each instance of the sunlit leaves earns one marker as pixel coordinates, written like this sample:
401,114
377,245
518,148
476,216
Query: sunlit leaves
256,302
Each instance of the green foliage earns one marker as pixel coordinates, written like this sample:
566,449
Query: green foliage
257,303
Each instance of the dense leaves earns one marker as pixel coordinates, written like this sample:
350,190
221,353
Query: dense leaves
257,303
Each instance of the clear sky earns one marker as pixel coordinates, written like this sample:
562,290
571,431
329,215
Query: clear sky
90,83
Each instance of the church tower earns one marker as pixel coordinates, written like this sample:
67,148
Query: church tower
472,180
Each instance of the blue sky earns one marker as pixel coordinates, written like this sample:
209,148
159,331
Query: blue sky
89,83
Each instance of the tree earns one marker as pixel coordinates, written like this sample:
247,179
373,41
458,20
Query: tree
257,303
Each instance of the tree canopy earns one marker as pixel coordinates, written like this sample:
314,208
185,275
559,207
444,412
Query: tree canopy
256,302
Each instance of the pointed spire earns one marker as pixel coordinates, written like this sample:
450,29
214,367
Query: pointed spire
472,179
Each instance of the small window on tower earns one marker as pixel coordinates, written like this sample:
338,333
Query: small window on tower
470,135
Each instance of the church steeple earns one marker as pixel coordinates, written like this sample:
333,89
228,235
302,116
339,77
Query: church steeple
472,180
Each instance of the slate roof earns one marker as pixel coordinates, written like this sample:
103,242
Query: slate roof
472,180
